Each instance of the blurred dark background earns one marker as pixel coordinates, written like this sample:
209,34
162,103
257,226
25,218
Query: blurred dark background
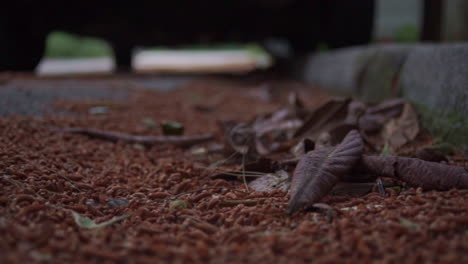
287,29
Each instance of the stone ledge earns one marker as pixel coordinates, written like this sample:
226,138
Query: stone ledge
432,76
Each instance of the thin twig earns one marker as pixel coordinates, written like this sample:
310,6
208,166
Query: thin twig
182,141
243,173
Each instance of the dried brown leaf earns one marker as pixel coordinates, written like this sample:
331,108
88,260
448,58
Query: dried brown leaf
416,172
319,170
402,130
270,182
376,117
324,117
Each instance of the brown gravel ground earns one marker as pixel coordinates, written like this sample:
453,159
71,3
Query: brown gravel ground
46,174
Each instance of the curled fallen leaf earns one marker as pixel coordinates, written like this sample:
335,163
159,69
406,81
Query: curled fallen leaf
399,131
375,117
319,170
324,117
416,172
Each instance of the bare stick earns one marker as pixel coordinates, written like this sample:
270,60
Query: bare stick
181,141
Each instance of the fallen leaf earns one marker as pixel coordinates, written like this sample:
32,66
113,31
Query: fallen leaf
86,222
355,110
241,138
402,130
338,132
324,117
416,172
172,128
270,182
304,146
376,117
388,109
319,170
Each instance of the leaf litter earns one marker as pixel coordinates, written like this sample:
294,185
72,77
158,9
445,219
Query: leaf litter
221,217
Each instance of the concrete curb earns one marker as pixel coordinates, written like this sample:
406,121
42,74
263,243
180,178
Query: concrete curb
432,76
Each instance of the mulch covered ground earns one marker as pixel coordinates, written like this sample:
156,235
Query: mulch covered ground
178,213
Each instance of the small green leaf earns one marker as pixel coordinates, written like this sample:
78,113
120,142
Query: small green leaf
386,150
149,122
87,222
172,128
178,204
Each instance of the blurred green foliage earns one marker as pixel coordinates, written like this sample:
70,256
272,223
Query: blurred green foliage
66,45
407,34
62,44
